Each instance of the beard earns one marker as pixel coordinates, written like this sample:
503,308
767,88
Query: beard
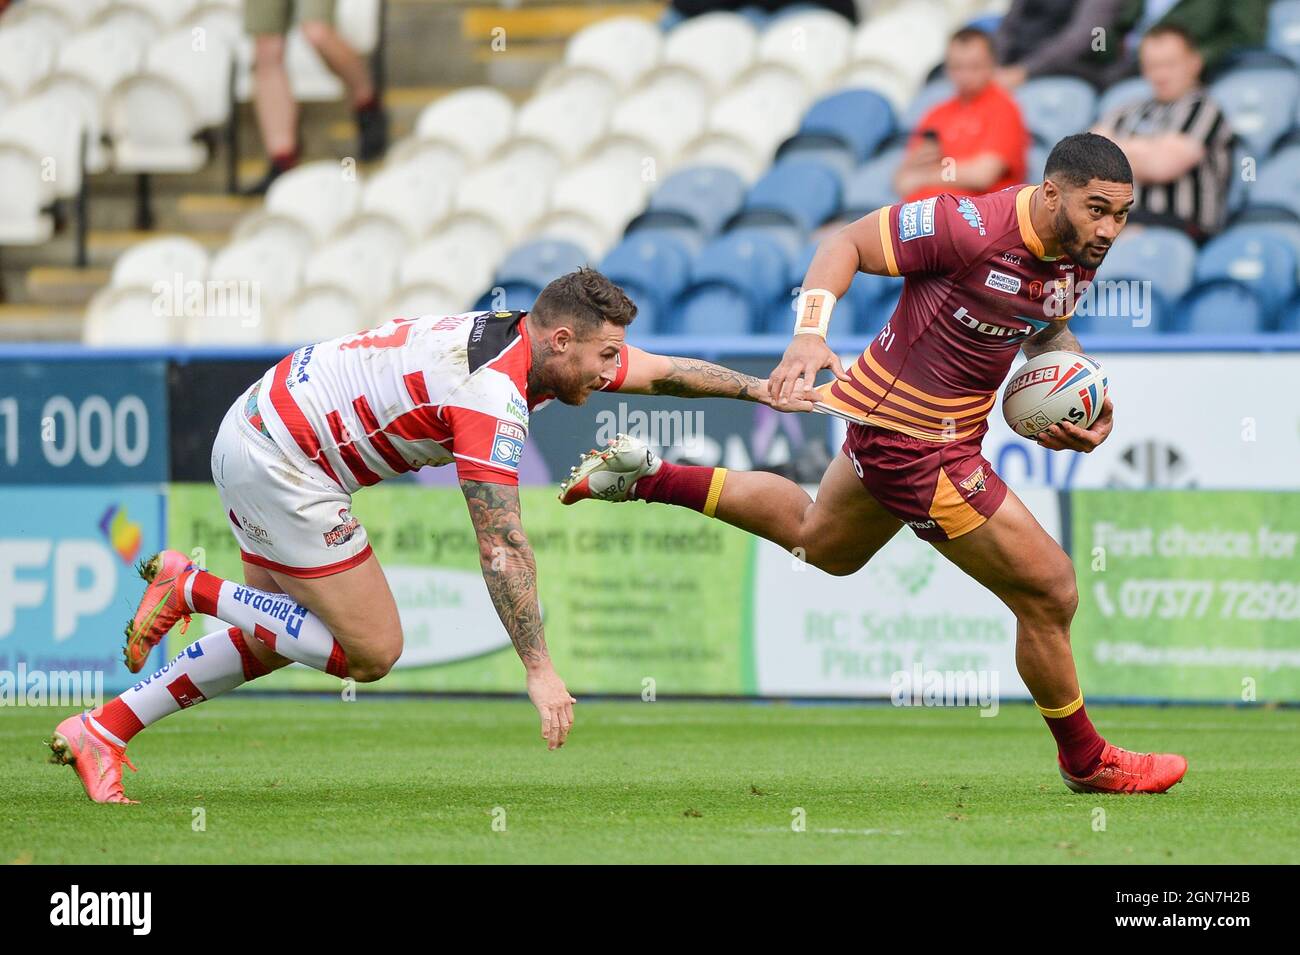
1068,236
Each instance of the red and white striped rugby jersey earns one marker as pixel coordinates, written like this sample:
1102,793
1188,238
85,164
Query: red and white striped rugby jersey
410,393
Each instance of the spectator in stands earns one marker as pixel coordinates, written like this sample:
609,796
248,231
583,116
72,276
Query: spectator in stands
1058,37
277,111
1178,142
970,144
1217,28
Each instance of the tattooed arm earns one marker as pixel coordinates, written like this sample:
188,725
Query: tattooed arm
510,572
651,374
1066,436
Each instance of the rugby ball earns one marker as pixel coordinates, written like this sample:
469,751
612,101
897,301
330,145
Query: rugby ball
1053,387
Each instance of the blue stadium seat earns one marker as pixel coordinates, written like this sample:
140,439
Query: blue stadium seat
872,184
771,227
1036,162
931,94
1259,103
1111,308
873,298
827,150
708,194
1257,259
807,193
755,15
539,261
1164,257
715,309
1284,28
1054,107
860,118
652,267
1278,180
1221,307
1290,320
742,268
1124,93
675,224
512,296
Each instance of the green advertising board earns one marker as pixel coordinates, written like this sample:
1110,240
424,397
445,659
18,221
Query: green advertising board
629,594
1189,595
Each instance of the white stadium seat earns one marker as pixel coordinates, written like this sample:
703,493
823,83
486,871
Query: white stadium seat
718,46
53,132
626,48
728,151
815,43
136,20
51,22
264,225
609,190
131,316
358,22
317,313
412,301
669,112
319,194
900,90
414,194
23,193
475,120
588,81
80,97
26,56
441,158
910,38
255,278
79,13
569,119
459,259
499,193
161,259
367,272
762,109
203,73
168,13
583,230
151,121
103,56
311,80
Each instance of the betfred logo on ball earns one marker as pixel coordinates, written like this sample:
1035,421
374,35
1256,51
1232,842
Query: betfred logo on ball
1052,388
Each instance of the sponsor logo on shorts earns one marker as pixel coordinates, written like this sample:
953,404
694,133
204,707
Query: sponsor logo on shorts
967,210
1001,282
255,531
507,444
975,483
342,532
916,219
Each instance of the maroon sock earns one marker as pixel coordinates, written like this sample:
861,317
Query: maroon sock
684,485
368,104
286,160
1077,741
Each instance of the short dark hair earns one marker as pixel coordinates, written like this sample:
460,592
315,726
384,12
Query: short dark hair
587,299
969,34
1171,29
1077,160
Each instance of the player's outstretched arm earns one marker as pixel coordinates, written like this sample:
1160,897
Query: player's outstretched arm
1065,436
858,247
510,572
651,374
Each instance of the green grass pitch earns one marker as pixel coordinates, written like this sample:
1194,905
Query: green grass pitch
314,780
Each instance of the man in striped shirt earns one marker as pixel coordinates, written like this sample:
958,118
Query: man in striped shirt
1179,143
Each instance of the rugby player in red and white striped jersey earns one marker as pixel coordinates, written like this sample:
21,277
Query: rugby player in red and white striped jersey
338,416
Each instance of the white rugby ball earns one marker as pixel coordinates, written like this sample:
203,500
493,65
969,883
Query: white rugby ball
1053,387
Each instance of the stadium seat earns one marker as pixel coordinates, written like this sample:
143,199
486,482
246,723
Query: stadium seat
1118,308
26,56
137,19
509,297
265,225
124,316
653,268
871,185
102,56
78,96
51,21
1258,260
675,225
538,261
719,46
727,151
317,194
762,109
1278,182
815,42
1054,107
669,112
1280,224
860,119
476,120
769,227
828,151
416,194
76,13
804,192
259,276
569,119
715,309
578,228
499,193
897,89
425,299
880,39
1123,93
151,120
1290,319
358,262
23,197
1036,162
318,312
1164,257
458,258
755,265
626,48
610,191
169,258
1221,307
1259,103
1284,28
709,195
53,133
204,73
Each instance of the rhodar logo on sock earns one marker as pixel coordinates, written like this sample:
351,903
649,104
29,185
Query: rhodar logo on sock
122,533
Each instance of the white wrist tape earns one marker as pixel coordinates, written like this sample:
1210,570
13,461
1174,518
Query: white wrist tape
812,313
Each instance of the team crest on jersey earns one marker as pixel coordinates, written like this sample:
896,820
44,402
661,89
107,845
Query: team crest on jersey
916,219
971,215
975,483
342,532
507,444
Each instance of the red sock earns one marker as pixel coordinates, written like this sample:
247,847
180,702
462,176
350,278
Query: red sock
369,103
118,718
285,160
684,485
1077,741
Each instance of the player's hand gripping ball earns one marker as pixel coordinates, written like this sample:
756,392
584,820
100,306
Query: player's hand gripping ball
1054,388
